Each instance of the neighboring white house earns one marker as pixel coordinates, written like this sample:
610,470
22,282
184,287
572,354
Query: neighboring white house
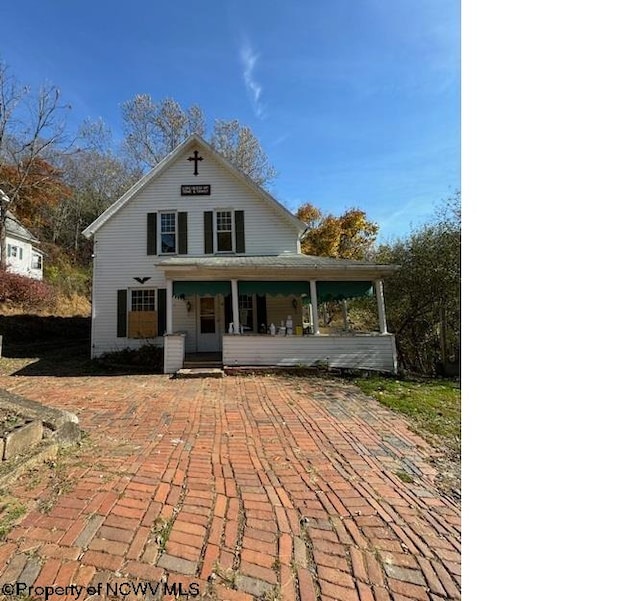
198,258
23,257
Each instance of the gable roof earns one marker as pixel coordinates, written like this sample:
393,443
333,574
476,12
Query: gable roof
166,163
17,230
14,227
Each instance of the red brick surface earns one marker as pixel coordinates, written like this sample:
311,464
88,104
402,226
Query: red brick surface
277,483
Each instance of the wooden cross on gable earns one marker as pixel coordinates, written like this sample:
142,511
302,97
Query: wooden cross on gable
195,158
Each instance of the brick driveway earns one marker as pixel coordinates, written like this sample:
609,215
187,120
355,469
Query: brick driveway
245,487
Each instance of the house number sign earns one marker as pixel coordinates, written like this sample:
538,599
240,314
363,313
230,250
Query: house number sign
195,190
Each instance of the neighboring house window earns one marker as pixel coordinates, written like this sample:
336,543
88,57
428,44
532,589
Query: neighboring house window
14,251
168,233
143,317
224,231
36,261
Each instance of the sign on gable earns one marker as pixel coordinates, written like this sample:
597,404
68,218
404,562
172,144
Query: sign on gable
195,190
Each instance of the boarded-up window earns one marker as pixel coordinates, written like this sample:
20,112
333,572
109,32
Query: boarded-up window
143,317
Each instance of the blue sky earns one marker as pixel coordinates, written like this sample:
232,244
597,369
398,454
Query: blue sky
356,103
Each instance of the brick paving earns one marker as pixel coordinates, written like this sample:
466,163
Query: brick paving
245,487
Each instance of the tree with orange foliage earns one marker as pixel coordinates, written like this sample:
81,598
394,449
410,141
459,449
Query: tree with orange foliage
349,236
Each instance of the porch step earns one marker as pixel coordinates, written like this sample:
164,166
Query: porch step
195,364
200,372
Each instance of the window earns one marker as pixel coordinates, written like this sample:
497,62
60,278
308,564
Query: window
36,261
143,318
224,231
143,300
14,251
245,303
167,233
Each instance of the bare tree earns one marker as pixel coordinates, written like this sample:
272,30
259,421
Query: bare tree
32,128
237,143
95,178
153,129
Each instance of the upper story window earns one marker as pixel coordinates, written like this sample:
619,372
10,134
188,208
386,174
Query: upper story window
224,231
168,233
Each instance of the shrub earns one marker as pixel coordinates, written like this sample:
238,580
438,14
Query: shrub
25,292
148,359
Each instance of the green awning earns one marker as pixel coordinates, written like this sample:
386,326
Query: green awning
202,288
279,288
334,291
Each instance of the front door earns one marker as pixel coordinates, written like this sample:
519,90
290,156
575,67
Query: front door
208,335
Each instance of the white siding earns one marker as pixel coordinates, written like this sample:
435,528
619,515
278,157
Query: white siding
185,321
120,245
376,353
22,263
173,353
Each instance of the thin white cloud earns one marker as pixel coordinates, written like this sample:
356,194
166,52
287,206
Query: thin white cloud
249,59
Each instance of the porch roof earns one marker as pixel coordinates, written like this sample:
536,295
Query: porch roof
285,266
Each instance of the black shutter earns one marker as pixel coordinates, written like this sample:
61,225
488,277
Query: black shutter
239,217
228,312
182,234
122,314
208,232
162,311
152,233
261,311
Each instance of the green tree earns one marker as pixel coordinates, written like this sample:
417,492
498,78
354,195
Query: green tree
423,297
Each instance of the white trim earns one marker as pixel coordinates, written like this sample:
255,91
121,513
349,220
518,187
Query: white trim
314,307
235,306
382,317
169,307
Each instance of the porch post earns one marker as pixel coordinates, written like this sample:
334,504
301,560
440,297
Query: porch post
314,308
382,317
345,315
169,306
235,303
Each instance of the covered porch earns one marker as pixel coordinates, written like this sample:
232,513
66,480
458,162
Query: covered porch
264,311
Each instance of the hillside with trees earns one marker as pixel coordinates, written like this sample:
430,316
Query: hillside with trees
57,182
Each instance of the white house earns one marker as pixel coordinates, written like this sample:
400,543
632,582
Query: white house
23,257
198,258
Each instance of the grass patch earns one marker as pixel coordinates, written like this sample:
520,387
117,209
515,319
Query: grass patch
404,476
10,511
433,407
